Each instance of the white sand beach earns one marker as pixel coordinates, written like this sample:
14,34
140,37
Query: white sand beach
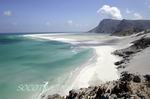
100,68
93,73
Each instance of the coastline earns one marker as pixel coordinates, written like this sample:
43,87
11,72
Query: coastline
132,84
90,73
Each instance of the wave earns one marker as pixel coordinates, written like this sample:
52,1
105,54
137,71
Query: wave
48,37
98,69
70,81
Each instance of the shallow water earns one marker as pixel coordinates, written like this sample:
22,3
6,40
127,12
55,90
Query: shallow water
26,63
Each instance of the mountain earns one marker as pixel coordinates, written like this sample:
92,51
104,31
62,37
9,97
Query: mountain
128,27
106,26
121,27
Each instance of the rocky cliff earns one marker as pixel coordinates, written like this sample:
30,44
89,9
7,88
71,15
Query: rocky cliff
128,27
106,26
121,27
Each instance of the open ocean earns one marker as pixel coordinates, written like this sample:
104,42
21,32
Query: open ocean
27,64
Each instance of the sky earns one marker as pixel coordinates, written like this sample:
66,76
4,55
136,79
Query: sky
66,15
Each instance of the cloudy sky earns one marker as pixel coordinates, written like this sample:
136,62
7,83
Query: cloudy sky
66,15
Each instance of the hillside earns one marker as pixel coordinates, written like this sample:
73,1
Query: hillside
128,27
106,26
121,27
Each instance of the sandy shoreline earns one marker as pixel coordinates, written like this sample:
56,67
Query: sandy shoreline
104,70
133,66
94,73
102,46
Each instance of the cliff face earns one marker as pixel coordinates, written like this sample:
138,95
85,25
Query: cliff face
128,27
121,27
106,26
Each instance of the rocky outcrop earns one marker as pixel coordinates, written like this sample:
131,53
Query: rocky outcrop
129,86
128,27
121,27
106,26
128,53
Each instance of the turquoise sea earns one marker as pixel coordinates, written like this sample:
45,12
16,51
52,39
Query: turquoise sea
27,63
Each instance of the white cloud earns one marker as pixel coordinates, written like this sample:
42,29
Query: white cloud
111,12
7,13
137,16
70,22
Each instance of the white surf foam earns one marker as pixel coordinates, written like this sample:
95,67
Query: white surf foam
49,37
100,70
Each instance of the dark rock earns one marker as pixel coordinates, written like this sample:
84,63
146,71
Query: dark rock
125,76
119,62
128,27
121,27
120,67
129,86
72,94
129,53
106,26
99,93
147,77
120,88
119,53
141,43
136,79
55,96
